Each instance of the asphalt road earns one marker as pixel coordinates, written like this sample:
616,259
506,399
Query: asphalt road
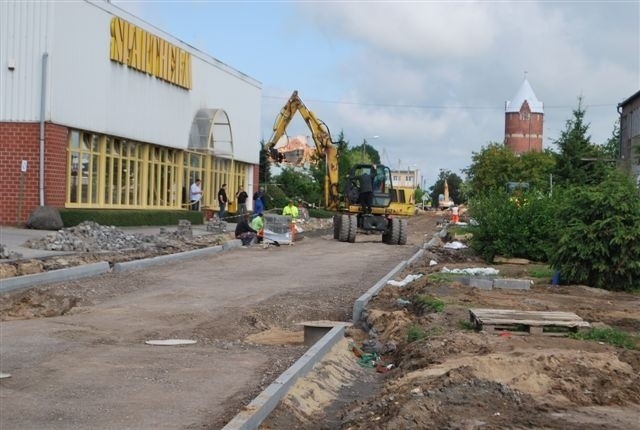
91,368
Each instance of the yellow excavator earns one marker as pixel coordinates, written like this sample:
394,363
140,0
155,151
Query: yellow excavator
351,216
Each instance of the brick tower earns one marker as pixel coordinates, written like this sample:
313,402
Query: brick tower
523,121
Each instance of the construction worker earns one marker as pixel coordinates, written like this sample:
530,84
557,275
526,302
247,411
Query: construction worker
258,225
291,210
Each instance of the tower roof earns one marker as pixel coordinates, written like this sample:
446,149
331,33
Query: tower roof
525,93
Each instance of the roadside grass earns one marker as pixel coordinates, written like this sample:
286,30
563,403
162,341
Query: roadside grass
540,272
428,303
466,325
415,332
611,336
440,278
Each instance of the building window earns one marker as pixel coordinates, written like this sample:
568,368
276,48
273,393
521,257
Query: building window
110,172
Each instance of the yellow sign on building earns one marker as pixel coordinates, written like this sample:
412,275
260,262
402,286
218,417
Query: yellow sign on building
150,54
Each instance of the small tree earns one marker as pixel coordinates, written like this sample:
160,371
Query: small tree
264,174
579,161
599,243
495,165
298,184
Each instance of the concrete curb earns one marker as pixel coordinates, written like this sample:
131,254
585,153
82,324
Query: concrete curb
260,407
140,264
86,270
362,301
27,281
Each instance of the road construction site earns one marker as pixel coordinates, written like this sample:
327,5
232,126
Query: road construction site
78,359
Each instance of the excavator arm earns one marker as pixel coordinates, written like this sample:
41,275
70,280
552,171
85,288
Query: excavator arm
321,138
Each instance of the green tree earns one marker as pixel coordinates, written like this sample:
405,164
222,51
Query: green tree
579,162
264,173
598,241
299,184
495,165
365,154
454,183
611,147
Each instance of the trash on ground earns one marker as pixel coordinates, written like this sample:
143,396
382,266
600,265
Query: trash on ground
455,245
5,375
433,263
472,271
171,342
407,280
402,302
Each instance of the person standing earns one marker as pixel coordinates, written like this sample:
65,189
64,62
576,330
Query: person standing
366,191
222,200
195,195
291,211
259,204
241,197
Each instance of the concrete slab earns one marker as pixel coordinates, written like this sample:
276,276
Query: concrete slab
512,284
481,283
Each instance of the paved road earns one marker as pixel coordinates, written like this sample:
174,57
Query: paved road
91,368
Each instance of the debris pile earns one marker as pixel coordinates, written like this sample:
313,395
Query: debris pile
89,236
8,254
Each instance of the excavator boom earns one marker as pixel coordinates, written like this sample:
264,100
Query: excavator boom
321,138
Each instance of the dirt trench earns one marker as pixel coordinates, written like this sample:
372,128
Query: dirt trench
459,378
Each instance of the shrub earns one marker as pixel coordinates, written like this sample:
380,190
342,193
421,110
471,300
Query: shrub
599,243
524,228
124,217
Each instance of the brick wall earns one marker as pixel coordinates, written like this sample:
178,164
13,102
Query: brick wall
20,141
523,135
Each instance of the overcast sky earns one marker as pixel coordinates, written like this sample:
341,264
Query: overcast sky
430,79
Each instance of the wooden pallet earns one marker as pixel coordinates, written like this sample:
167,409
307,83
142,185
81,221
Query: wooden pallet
527,322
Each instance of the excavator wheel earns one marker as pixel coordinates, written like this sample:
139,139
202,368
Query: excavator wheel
402,239
395,231
343,233
353,228
336,226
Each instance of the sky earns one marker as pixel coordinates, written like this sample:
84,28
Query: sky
424,82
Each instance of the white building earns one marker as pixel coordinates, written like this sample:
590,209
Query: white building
109,111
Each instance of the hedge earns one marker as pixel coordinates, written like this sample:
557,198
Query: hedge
128,217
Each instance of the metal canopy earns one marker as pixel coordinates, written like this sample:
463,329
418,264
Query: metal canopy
211,133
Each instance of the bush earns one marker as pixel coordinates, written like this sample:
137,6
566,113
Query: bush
599,243
523,228
125,217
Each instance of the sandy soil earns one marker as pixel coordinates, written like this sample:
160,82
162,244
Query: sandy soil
457,378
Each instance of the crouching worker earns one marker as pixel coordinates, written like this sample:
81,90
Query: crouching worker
244,232
258,225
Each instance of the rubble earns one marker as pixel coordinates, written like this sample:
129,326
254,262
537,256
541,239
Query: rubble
8,254
89,236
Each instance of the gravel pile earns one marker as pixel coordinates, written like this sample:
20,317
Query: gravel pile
89,236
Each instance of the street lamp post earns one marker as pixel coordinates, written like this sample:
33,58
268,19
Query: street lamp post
364,143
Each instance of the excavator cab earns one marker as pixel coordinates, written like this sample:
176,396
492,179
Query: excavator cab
381,185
